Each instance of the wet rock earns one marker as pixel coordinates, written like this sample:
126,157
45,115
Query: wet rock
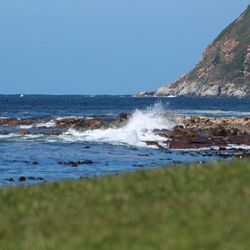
180,131
51,132
199,140
86,162
3,122
22,178
89,124
154,143
14,122
23,132
40,179
123,116
75,163
230,125
9,179
162,132
65,123
4,133
165,159
232,131
239,140
138,165
72,163
186,142
218,131
32,178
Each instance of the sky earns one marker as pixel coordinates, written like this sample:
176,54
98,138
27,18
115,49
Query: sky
105,47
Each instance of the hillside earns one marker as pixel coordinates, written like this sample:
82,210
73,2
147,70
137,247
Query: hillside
224,69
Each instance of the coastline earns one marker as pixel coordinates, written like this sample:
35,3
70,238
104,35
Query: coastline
187,132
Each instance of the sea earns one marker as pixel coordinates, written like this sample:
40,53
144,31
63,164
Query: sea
36,158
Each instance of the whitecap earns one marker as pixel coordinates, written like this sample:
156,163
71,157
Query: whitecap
135,132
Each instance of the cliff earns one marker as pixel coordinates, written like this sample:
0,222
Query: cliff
224,69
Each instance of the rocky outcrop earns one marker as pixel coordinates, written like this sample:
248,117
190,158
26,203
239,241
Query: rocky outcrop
224,69
205,132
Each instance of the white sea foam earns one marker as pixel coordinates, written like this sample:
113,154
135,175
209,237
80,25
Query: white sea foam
48,124
138,129
25,126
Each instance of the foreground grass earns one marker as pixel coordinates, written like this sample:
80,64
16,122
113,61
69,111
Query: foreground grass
195,207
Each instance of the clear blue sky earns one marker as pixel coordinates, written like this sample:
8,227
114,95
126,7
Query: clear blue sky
105,47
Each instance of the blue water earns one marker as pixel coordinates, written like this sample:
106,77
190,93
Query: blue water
54,106
39,156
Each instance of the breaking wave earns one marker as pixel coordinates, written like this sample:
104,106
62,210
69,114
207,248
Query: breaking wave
139,129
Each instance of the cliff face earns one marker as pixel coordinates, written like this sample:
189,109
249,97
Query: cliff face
225,66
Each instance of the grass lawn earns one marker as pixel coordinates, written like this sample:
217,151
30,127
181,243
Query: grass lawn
193,207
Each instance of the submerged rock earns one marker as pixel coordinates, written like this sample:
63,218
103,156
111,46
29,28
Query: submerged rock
9,179
75,163
22,178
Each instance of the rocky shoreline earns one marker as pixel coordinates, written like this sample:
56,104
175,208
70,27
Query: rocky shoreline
192,136
189,133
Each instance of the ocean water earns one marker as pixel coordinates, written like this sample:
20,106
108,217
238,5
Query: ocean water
39,157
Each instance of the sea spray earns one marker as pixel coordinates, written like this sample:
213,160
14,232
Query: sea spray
138,129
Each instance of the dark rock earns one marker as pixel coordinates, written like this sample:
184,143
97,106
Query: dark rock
72,163
123,116
32,178
89,124
199,140
86,162
222,148
162,132
9,179
40,179
23,132
138,165
154,143
232,131
218,131
180,131
22,178
165,159
196,142
75,163
14,122
239,140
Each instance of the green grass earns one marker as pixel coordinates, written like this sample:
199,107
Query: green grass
192,207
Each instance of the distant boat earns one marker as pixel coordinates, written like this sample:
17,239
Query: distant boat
21,95
171,96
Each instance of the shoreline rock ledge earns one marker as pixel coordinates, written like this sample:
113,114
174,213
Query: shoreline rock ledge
224,70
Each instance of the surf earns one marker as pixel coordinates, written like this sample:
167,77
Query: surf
138,129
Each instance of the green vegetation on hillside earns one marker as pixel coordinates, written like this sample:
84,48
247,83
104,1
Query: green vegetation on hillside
238,30
193,207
